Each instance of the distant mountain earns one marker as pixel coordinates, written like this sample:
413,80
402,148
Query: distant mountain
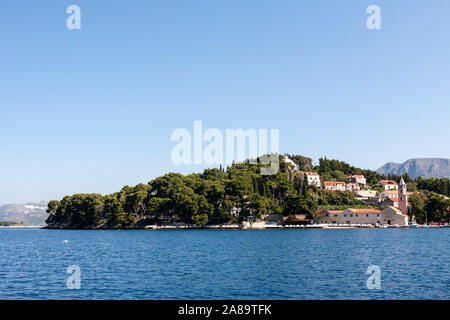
29,213
425,168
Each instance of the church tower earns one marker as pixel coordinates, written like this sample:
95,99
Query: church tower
402,197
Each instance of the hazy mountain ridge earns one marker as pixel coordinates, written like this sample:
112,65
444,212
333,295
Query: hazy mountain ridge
28,213
419,167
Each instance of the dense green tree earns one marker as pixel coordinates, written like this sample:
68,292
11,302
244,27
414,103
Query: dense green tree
441,186
260,205
418,206
296,205
337,198
200,219
113,210
304,163
157,206
134,202
53,206
185,202
437,207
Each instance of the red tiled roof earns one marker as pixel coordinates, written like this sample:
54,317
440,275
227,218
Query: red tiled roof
365,210
333,183
368,210
388,182
398,211
309,173
331,211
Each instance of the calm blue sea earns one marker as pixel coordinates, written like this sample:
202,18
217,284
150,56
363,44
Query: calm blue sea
231,264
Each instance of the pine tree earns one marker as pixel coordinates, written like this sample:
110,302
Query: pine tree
305,188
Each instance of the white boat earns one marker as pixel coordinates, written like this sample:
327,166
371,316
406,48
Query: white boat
413,225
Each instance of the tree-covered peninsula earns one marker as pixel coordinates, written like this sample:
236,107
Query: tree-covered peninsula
216,196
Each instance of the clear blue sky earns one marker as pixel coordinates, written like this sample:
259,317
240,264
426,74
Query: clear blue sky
92,110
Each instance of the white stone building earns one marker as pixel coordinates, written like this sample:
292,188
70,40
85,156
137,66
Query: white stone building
366,194
359,179
395,215
352,186
388,184
388,216
313,178
334,185
389,194
292,164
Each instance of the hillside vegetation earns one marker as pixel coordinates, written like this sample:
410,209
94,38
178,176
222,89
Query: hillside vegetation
209,197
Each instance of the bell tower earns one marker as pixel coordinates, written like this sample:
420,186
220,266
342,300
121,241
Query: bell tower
402,197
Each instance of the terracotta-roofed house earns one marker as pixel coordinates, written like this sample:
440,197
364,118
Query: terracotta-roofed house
388,184
366,216
334,185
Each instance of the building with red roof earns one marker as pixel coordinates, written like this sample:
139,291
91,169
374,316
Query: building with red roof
388,184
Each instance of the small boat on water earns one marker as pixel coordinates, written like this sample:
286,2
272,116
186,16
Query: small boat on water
413,225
